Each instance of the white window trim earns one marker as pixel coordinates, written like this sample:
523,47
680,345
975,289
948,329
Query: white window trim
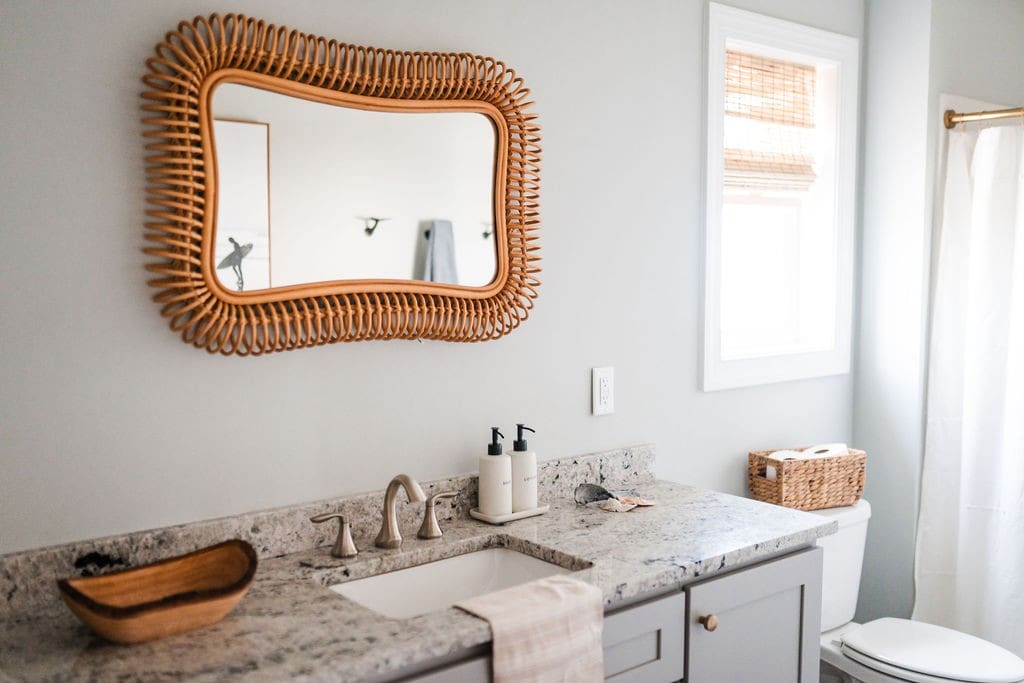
782,40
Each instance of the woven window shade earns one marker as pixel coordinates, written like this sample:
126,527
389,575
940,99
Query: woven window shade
769,123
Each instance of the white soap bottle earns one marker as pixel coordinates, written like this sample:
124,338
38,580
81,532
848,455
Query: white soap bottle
495,479
524,473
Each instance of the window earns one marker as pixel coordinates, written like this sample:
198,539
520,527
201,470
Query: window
782,116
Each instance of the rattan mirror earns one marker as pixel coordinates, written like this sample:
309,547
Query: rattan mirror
199,57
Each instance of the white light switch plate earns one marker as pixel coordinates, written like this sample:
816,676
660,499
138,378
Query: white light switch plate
602,388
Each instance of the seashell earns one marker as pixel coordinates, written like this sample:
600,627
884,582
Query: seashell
637,500
613,505
590,493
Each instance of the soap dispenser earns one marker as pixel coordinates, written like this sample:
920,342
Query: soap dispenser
495,479
524,473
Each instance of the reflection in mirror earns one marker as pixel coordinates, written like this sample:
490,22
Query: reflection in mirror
242,244
310,192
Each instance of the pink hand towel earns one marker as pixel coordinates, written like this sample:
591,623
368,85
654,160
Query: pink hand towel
545,631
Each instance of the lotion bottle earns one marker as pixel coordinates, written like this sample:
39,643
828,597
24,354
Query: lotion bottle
495,479
524,473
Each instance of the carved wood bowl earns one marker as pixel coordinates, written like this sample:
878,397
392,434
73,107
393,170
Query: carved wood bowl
167,597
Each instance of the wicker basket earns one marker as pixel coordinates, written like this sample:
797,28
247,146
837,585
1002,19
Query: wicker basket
807,484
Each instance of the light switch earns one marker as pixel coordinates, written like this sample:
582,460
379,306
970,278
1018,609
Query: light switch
602,388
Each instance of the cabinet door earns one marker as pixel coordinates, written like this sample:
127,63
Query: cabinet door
760,624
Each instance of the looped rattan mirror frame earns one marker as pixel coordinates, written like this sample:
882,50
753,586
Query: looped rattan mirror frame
181,182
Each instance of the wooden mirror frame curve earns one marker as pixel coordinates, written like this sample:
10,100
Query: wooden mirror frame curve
181,181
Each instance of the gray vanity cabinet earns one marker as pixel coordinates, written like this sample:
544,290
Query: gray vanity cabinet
758,624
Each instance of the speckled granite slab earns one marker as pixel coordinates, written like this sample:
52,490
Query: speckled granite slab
290,626
27,578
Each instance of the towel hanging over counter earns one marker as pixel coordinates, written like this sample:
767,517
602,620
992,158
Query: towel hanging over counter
439,258
545,631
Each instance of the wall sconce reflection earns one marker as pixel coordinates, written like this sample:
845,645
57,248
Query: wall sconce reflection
370,223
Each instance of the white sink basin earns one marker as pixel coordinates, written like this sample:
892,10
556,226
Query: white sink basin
437,585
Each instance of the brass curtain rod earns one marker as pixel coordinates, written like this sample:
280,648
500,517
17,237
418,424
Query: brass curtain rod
951,118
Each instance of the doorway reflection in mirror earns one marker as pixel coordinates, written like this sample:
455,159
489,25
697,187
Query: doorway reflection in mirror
243,203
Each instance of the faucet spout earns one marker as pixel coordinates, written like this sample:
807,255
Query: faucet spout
389,536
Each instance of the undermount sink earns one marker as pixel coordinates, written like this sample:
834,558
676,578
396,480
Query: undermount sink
437,585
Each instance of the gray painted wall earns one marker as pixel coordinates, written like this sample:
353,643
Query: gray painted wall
976,49
109,423
916,50
890,349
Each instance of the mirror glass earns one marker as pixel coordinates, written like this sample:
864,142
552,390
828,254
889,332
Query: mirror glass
310,192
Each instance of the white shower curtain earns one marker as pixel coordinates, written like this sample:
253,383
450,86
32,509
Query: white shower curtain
970,537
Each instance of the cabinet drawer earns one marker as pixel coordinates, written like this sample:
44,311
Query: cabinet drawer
768,623
645,642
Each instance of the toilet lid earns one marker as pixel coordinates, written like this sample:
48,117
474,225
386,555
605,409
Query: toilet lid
915,646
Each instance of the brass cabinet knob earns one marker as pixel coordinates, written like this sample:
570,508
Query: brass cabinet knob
709,621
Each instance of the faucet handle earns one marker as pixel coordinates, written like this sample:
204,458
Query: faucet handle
430,527
344,546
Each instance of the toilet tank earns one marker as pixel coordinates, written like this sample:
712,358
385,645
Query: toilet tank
842,559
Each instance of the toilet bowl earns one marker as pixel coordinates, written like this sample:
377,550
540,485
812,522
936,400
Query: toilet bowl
891,650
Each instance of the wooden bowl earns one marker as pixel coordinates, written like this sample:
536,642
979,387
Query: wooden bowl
166,597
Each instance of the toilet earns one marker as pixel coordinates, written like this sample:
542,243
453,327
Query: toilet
890,650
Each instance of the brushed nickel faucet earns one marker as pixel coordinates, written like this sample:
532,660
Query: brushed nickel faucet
389,536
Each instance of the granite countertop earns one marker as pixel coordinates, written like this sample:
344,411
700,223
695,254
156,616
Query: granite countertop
291,626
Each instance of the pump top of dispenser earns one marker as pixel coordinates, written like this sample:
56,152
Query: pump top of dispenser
520,443
494,448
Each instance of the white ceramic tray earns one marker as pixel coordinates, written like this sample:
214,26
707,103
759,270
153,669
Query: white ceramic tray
501,519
